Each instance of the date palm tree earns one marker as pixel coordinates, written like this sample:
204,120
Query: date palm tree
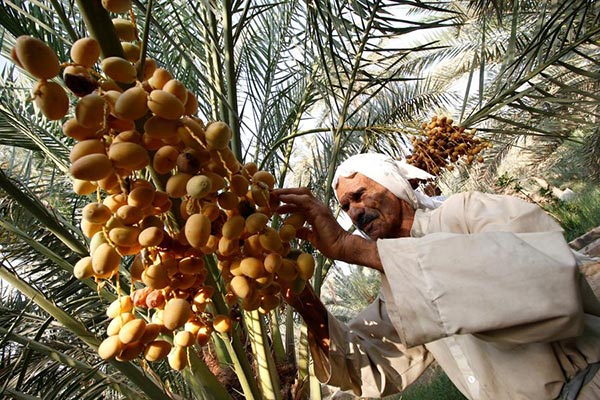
302,85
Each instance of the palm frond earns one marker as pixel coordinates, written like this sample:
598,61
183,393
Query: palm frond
349,289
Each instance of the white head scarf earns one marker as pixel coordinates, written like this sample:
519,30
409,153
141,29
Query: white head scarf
391,174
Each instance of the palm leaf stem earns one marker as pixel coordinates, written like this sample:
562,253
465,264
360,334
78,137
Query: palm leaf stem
51,256
294,127
31,17
203,382
42,214
322,263
184,54
517,124
340,126
482,63
533,131
145,36
321,50
66,360
382,84
249,386
221,352
149,387
278,347
232,342
286,162
231,79
539,111
27,351
315,385
98,22
213,65
290,346
512,92
303,353
61,316
265,364
507,132
20,396
468,87
240,25
65,21
273,147
510,50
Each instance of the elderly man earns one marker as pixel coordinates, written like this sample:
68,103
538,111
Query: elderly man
484,284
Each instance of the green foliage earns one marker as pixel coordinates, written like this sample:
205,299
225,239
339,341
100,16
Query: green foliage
579,215
569,166
575,165
504,181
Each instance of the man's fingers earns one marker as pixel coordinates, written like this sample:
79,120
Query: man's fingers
295,203
299,190
287,195
304,233
287,209
295,198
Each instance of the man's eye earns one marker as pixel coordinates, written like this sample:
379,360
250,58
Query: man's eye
357,196
345,207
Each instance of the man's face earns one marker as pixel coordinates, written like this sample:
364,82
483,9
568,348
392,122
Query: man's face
374,209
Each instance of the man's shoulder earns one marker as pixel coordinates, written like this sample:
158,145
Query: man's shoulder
463,198
475,201
473,195
485,211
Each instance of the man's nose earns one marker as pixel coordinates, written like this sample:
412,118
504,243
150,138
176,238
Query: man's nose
355,212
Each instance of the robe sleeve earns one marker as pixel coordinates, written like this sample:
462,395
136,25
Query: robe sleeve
510,277
366,355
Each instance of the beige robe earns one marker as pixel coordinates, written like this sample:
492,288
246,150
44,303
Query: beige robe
488,287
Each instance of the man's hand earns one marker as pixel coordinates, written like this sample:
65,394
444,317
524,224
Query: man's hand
325,233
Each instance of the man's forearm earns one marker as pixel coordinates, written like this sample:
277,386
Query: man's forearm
314,314
361,251
356,250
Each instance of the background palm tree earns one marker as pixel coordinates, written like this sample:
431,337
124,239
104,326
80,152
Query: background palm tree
303,85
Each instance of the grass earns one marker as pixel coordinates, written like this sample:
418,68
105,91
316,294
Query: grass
435,385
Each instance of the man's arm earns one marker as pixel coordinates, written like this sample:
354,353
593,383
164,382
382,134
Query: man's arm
366,355
500,258
314,313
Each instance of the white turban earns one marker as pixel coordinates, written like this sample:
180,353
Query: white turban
391,174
